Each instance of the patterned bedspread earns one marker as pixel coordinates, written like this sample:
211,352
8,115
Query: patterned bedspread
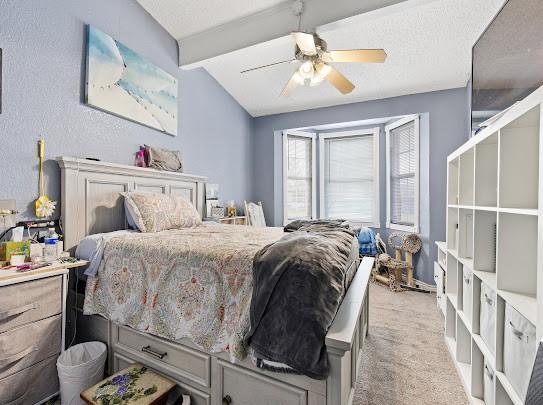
193,283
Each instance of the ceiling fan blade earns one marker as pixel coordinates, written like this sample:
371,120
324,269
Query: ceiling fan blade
294,81
359,55
339,81
265,66
306,42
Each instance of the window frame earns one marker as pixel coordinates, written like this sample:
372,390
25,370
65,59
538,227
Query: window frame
388,128
313,137
375,133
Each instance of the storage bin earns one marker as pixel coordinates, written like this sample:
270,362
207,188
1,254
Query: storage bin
488,384
467,292
519,350
487,327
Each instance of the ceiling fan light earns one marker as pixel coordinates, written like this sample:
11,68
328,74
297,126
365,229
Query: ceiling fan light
298,78
320,75
307,71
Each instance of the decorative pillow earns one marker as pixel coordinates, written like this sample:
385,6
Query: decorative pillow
164,159
158,212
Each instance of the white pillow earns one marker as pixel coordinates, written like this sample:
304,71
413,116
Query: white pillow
157,212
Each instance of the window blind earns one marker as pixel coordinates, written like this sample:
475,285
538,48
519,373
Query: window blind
403,166
299,177
349,178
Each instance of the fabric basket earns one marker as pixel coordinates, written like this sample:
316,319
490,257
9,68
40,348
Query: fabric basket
467,292
487,328
519,350
488,384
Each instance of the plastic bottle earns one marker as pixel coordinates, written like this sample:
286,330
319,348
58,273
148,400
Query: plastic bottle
50,245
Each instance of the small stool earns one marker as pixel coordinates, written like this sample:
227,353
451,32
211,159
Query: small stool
135,385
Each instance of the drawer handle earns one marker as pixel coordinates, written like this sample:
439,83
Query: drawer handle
489,373
519,334
489,300
17,356
18,311
158,355
226,400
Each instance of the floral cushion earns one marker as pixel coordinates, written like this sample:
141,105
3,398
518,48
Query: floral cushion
158,212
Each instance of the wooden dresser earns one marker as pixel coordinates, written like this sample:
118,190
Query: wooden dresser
32,319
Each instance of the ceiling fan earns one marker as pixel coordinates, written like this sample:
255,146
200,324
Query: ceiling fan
315,60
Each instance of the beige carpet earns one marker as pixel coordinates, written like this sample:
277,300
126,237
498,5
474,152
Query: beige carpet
405,360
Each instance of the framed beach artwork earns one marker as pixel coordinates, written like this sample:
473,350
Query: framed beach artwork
121,82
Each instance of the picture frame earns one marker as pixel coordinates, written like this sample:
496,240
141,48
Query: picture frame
210,204
121,82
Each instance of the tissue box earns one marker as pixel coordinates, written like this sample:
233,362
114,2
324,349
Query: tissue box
7,248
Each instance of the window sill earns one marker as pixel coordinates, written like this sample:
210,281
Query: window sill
355,224
352,222
403,228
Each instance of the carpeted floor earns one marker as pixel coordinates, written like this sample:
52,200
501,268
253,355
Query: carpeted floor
405,360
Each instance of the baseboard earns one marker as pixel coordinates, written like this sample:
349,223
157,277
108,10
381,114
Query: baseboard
425,287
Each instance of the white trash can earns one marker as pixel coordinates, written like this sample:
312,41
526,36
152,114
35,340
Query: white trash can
80,367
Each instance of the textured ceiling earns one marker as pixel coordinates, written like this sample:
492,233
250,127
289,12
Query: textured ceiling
182,18
428,45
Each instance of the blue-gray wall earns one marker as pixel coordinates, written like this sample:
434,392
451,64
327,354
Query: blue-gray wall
43,74
443,129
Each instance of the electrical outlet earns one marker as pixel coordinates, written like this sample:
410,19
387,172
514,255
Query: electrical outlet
7,221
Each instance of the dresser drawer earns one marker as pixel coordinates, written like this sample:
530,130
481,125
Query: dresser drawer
188,365
197,397
31,385
247,388
29,302
29,344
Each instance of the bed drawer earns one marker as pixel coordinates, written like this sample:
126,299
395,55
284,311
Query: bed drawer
29,344
188,364
31,385
197,397
243,387
29,302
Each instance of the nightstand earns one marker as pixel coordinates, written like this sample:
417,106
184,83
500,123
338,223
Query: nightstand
238,220
32,331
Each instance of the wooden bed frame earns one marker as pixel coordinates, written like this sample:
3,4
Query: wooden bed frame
91,204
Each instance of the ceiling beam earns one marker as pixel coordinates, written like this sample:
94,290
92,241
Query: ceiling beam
272,23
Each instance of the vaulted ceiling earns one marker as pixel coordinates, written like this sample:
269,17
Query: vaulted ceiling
428,43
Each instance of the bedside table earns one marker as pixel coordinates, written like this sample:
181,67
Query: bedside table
238,220
32,331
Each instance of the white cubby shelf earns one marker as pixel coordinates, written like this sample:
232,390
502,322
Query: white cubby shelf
495,244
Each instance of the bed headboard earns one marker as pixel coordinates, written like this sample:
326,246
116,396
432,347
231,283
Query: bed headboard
90,194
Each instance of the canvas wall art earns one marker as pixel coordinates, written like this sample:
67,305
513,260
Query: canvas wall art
121,82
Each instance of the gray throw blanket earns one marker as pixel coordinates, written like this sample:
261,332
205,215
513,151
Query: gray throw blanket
297,224
298,285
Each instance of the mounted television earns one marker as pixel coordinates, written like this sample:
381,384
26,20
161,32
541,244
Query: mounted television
507,59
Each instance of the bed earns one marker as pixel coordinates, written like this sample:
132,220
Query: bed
91,203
